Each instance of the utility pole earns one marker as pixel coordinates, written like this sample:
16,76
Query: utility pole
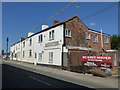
7,49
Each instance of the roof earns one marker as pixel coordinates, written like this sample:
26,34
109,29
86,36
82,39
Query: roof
99,32
59,23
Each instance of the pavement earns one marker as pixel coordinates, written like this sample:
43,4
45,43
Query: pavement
83,80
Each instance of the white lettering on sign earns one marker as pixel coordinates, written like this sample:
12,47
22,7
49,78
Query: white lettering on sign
105,65
83,56
90,64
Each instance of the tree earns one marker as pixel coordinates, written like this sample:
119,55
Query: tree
115,42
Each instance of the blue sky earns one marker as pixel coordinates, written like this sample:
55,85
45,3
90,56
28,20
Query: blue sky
19,18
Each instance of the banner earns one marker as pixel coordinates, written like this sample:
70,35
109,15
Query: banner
97,61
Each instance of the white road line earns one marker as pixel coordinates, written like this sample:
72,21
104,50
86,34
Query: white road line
41,81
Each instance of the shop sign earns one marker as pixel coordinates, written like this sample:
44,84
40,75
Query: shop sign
99,61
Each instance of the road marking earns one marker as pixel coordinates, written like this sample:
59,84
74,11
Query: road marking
41,81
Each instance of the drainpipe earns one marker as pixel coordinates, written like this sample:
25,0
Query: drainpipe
102,42
101,39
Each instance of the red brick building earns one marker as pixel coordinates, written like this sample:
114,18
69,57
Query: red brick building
84,41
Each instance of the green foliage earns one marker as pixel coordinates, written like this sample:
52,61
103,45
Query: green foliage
115,42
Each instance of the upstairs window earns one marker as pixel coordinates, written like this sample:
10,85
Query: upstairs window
105,40
40,38
23,44
16,48
30,41
87,35
51,35
95,38
67,33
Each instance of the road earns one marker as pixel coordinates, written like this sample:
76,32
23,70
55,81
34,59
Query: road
13,77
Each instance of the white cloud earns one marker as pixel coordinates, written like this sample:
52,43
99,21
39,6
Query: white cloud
92,24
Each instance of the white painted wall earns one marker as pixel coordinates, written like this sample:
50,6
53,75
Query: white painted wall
57,50
38,47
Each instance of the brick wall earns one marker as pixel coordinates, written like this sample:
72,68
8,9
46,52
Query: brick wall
78,36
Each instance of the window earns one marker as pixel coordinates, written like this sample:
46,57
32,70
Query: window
30,53
35,55
40,57
15,55
67,33
23,44
87,35
105,40
40,38
51,35
95,38
50,56
30,41
16,48
23,54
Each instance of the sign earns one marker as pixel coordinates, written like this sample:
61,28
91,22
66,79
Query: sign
98,61
52,44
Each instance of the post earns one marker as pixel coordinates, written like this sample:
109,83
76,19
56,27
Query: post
7,49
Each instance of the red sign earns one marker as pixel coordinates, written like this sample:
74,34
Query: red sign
99,61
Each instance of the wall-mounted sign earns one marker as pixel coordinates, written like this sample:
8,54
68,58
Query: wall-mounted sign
52,44
99,61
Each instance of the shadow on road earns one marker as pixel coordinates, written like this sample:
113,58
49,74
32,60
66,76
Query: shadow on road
13,77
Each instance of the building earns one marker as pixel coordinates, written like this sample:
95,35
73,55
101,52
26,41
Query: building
53,45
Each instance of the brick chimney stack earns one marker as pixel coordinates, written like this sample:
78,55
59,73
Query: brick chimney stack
21,39
55,22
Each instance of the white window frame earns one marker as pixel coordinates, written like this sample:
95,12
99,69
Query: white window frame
50,56
39,56
40,38
87,36
106,38
51,35
96,37
67,33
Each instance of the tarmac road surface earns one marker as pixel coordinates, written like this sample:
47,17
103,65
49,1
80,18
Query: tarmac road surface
13,77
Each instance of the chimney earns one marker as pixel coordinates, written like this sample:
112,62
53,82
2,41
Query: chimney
55,22
44,27
21,39
30,33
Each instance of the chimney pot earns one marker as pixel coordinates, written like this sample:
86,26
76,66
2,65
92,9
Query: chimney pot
55,22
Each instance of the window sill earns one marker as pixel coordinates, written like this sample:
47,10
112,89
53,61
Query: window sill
68,36
87,39
39,42
51,39
106,43
50,62
95,42
39,60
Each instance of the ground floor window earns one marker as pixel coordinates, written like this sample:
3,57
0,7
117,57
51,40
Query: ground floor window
40,56
35,55
15,55
50,56
30,53
23,54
